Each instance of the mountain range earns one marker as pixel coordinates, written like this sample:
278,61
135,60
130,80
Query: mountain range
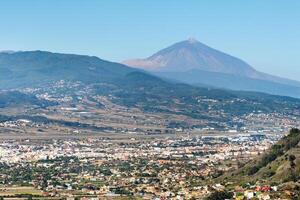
127,87
195,63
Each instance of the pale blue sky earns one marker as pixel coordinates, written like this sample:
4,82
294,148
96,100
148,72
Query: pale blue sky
265,33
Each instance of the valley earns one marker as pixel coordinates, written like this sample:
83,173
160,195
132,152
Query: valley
81,112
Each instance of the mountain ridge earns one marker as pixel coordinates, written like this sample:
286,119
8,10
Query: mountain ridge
27,68
231,82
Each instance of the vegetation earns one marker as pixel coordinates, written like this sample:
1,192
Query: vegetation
280,164
14,98
277,150
220,195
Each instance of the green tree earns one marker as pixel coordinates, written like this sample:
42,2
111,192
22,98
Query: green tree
220,195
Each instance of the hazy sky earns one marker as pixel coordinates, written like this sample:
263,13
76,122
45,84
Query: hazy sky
264,33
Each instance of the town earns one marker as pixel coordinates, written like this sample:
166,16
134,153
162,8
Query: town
167,168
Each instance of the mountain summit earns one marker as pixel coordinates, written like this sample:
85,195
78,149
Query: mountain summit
193,62
192,54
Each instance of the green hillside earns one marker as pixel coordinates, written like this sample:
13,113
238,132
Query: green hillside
279,166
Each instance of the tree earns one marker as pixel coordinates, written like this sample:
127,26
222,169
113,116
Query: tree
220,195
292,158
295,130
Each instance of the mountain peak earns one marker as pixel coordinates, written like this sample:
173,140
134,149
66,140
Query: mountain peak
189,55
192,40
193,62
